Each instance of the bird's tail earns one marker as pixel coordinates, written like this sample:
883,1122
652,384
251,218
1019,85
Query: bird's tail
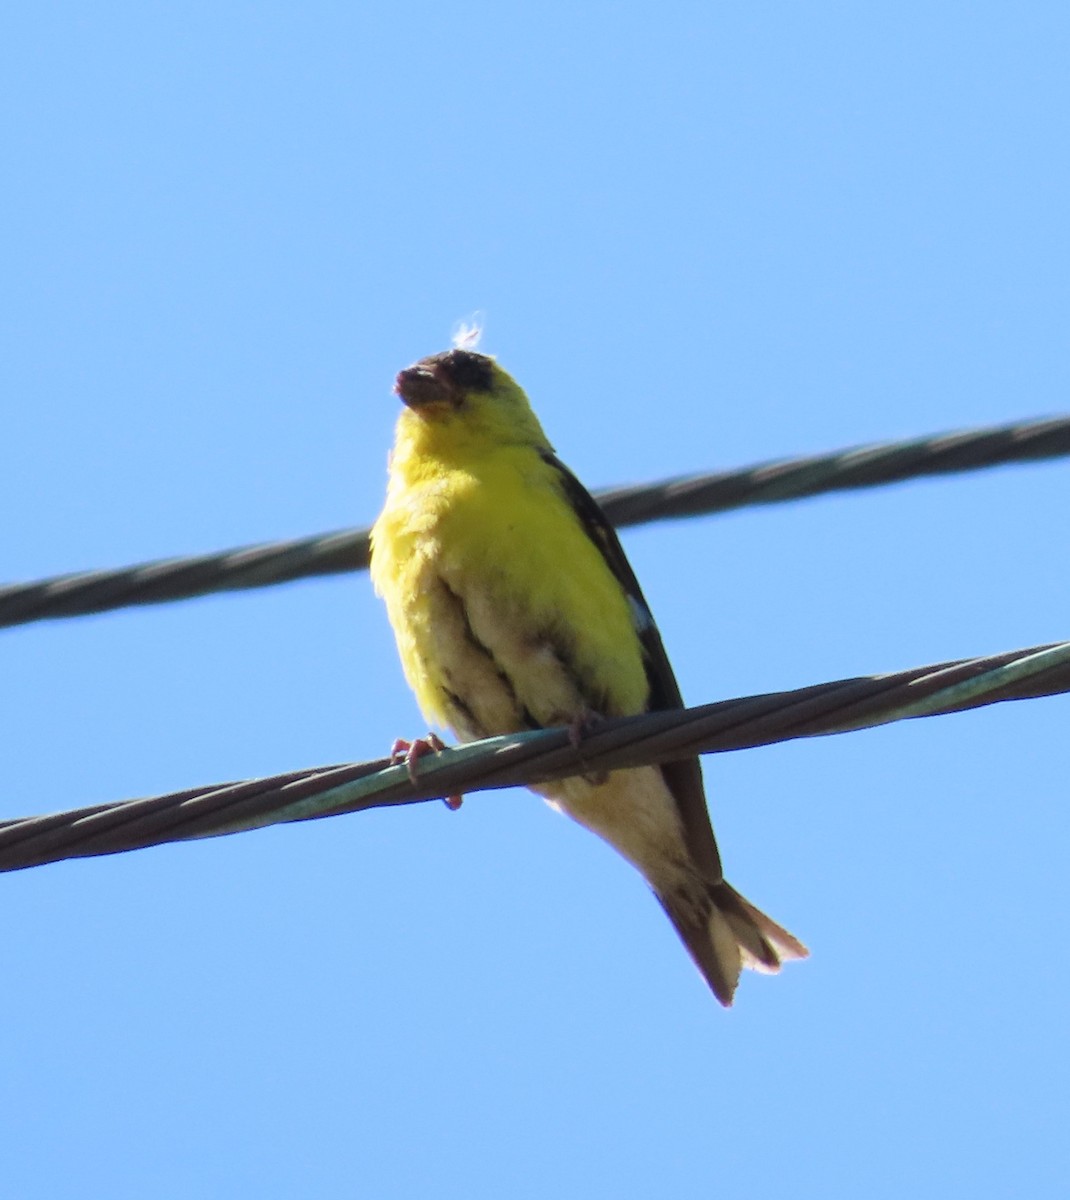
726,933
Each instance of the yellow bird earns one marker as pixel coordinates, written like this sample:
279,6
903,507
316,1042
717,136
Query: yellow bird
515,608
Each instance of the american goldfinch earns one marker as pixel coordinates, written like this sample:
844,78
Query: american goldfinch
515,608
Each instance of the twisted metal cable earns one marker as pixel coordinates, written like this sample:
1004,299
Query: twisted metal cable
347,550
838,707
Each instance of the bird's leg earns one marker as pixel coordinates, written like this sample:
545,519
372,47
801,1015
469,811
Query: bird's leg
581,726
410,754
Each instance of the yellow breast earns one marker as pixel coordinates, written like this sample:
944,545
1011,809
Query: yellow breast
500,602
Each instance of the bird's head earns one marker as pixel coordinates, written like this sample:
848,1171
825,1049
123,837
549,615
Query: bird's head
459,398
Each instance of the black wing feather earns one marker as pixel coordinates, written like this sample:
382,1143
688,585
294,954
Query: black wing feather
684,779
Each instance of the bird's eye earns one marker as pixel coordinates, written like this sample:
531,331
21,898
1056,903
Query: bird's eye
469,372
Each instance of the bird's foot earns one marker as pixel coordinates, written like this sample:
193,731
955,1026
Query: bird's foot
581,726
410,754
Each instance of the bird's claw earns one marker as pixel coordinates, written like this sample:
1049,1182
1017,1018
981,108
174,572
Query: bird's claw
410,753
582,726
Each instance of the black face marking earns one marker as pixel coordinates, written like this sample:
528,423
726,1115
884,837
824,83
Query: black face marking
445,379
466,371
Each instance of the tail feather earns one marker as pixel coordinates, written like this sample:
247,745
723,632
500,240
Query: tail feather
726,933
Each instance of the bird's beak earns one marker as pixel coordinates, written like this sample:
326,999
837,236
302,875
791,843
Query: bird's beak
422,387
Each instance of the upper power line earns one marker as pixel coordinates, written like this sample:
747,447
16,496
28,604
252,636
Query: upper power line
347,550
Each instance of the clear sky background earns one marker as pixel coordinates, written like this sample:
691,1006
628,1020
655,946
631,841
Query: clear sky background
704,235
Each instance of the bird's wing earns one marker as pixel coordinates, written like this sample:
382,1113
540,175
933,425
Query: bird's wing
684,779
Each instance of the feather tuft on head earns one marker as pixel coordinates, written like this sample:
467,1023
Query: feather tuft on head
467,334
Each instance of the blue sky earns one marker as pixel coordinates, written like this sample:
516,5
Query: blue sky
703,235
